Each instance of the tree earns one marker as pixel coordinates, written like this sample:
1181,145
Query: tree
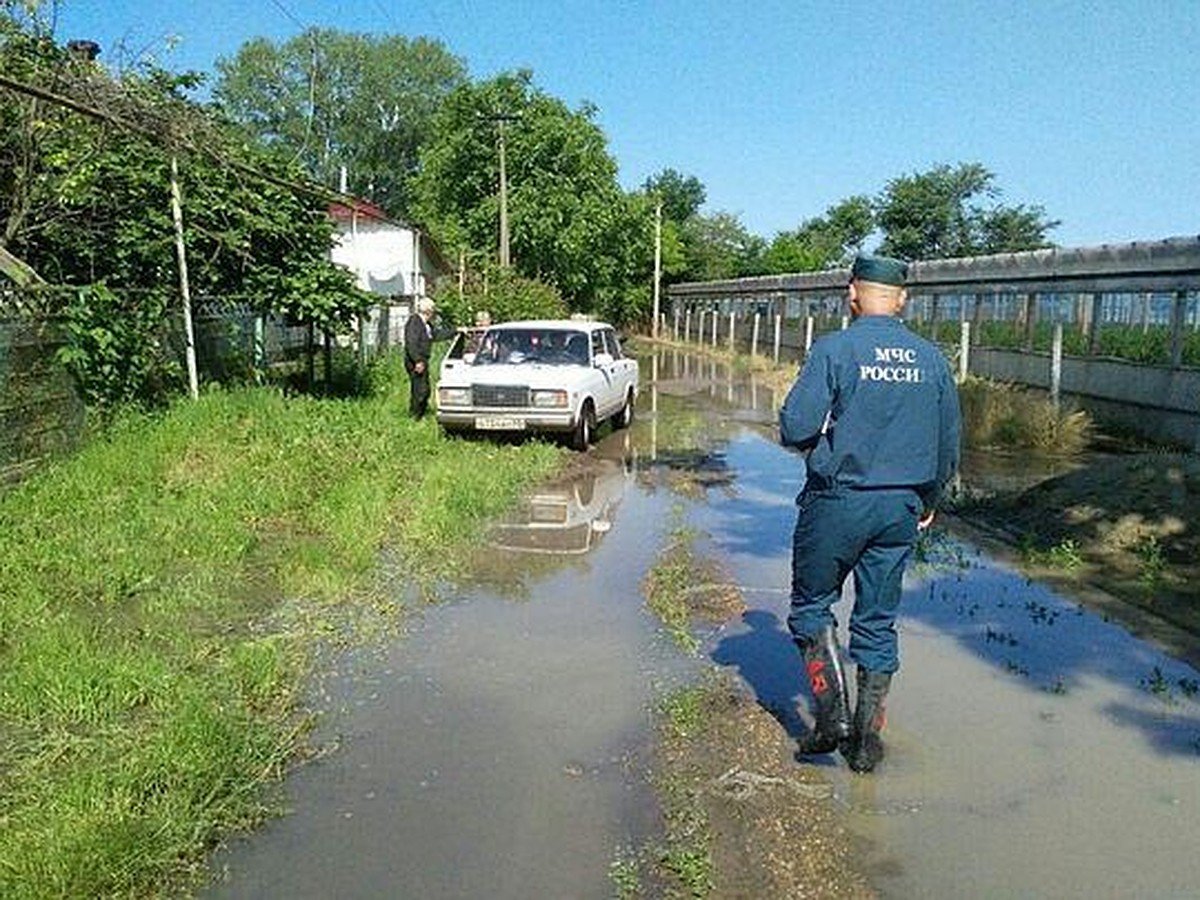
329,100
1012,228
930,215
570,223
681,196
823,242
87,204
719,246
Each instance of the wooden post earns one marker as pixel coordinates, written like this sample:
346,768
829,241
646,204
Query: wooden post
189,332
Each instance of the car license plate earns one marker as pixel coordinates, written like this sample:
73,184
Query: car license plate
499,423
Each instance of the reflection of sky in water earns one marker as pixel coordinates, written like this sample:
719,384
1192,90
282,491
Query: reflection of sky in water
1026,629
1034,748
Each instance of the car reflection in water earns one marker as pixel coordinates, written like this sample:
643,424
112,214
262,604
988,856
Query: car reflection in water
565,517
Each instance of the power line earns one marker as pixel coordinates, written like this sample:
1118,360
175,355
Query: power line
168,142
287,12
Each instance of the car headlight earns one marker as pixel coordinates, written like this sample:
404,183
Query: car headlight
548,399
454,396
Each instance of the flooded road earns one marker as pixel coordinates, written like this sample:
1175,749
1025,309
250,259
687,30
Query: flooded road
495,749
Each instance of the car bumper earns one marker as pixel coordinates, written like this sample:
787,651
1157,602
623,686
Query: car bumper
507,419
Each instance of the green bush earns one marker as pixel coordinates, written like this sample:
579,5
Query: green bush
502,293
998,414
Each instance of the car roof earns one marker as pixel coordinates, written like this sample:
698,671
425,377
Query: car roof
564,324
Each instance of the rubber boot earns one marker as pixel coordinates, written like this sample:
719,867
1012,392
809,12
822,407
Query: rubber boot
864,749
827,679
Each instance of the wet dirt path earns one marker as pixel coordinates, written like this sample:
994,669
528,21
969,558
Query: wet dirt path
495,749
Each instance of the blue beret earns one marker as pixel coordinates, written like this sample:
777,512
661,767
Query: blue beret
880,269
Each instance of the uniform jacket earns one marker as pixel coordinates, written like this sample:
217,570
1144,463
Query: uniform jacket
878,408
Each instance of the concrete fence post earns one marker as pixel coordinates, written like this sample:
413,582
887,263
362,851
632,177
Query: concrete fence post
964,351
1056,354
778,335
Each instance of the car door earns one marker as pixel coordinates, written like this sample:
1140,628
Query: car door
614,367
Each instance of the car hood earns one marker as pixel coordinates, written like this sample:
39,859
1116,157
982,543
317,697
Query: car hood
532,374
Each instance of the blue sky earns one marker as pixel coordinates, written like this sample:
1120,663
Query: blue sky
782,109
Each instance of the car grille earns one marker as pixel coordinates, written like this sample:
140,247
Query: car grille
500,395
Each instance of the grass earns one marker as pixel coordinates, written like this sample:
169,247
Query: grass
684,589
1064,556
996,414
162,594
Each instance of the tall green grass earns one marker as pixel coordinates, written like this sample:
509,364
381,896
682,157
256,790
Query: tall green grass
1000,415
161,594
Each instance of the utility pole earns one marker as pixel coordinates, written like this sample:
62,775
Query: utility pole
501,120
657,264
189,332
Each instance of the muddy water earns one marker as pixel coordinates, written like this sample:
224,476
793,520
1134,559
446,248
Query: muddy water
1035,749
494,750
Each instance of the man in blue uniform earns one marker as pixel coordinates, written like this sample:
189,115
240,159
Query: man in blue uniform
876,408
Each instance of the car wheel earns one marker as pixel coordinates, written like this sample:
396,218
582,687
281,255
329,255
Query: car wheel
582,436
624,416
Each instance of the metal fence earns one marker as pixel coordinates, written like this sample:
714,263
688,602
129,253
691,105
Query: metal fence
42,412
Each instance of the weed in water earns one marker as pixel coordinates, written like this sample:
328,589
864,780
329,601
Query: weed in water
683,710
1153,563
625,874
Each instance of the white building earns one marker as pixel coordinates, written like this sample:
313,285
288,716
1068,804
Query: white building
395,261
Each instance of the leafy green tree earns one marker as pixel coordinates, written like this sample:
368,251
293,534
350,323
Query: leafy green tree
938,214
330,99
1012,228
504,294
88,204
718,246
570,223
681,195
823,242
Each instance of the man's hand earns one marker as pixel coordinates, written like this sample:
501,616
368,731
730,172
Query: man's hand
926,520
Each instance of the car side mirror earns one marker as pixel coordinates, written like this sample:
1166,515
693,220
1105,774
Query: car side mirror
602,359
468,358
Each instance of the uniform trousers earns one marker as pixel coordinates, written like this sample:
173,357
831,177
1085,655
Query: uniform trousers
871,533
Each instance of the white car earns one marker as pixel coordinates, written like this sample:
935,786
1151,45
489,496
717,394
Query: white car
558,376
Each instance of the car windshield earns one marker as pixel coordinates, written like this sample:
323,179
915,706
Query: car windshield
551,346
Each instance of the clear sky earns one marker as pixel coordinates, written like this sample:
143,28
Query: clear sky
783,108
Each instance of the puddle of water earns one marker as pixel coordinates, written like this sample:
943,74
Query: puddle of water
1034,748
494,750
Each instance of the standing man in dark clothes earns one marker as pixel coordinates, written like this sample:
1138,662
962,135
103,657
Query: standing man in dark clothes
418,344
878,408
